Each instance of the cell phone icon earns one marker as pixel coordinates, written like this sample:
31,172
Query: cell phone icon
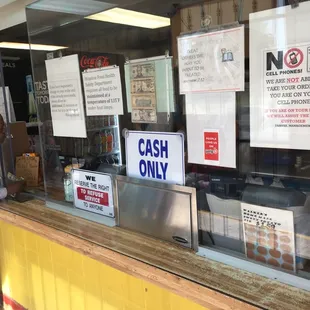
293,58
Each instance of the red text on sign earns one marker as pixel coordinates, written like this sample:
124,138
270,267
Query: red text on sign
90,195
211,146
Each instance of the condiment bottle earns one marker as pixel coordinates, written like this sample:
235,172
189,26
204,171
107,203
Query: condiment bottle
104,142
109,142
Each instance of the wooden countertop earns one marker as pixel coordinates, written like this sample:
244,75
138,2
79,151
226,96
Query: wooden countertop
206,282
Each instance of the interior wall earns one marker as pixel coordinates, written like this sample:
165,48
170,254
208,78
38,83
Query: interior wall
222,12
13,13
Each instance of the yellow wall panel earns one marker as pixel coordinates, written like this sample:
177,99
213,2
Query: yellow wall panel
48,281
62,287
42,275
156,298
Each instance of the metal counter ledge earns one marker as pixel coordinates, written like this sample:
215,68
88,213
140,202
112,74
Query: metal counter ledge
206,282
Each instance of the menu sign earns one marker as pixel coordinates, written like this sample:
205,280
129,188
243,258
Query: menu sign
269,236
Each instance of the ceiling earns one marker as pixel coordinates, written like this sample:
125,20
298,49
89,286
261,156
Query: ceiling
60,28
5,2
55,13
17,33
49,22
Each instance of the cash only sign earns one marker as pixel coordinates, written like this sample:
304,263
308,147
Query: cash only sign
156,156
93,192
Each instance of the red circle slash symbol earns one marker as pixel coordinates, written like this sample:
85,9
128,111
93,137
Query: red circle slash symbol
293,57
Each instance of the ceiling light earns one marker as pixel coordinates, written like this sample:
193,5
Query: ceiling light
131,18
10,58
76,7
34,47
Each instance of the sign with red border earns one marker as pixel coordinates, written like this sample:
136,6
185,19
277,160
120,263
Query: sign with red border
93,192
293,58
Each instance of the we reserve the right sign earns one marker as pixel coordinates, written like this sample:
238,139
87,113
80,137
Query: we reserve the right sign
279,81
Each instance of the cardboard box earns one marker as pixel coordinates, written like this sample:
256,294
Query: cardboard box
28,168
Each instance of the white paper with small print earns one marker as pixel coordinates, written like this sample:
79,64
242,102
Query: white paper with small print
103,91
66,97
269,236
212,61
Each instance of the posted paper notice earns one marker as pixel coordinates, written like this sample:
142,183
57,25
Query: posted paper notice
212,61
269,236
103,91
280,78
66,98
211,129
11,110
93,192
143,93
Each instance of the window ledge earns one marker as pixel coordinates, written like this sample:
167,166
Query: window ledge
204,281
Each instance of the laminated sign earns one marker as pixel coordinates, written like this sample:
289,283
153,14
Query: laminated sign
211,129
93,192
212,61
66,97
156,156
269,236
280,78
103,91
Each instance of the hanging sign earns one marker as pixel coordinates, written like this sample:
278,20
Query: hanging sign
103,91
269,236
143,92
150,79
66,98
211,129
155,156
93,192
10,106
280,79
212,62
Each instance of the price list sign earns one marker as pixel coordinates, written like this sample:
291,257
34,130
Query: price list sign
269,236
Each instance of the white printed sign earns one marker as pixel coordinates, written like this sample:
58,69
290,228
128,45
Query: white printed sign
103,91
269,236
211,129
66,98
93,192
280,78
155,156
212,62
10,106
